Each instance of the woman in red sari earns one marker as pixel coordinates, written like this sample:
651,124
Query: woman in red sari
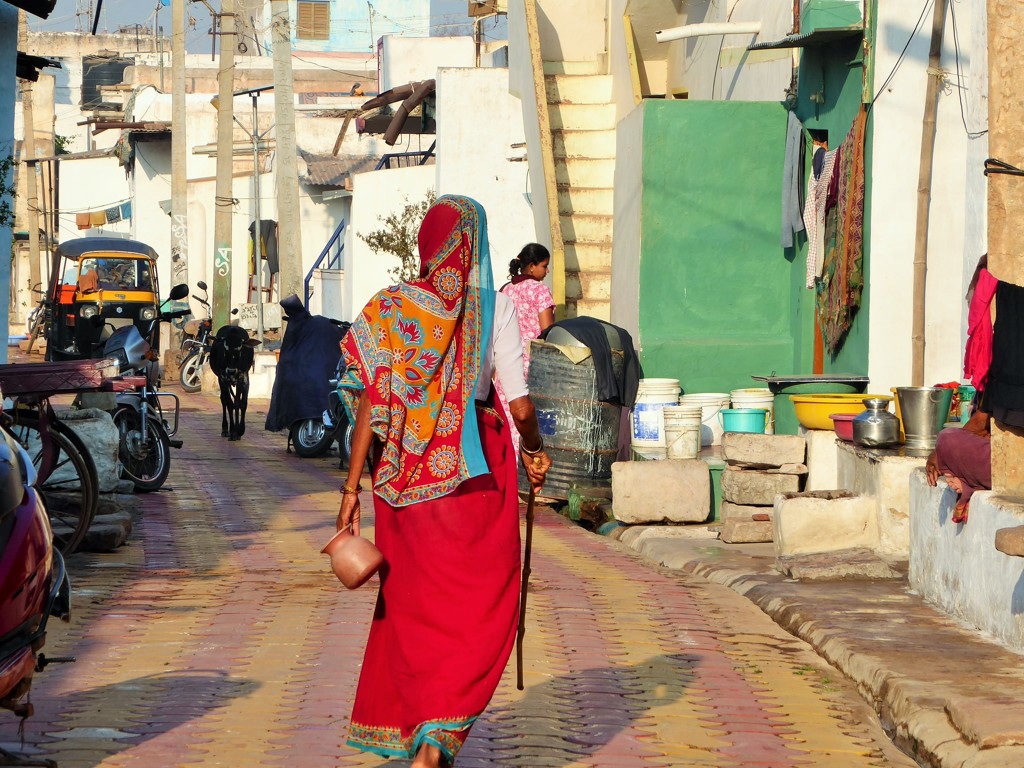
420,360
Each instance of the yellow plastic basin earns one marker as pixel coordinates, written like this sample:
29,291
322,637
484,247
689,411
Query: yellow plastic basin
813,411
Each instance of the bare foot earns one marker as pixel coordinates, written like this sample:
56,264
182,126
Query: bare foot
429,756
955,483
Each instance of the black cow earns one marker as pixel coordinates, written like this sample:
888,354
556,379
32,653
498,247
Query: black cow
231,358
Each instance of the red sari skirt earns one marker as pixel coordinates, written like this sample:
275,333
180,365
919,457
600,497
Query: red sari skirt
447,611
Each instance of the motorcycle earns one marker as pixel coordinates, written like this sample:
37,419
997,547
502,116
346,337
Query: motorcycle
145,435
300,398
195,345
34,584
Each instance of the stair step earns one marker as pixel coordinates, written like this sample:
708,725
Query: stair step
589,144
600,309
578,89
582,117
592,67
579,172
588,257
600,201
581,228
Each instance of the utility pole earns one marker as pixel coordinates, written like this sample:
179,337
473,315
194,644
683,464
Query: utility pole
222,245
179,154
289,233
29,155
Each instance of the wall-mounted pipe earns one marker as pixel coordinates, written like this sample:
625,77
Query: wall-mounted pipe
700,30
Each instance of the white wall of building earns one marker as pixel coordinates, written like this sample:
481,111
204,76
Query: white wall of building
572,30
478,126
957,222
410,59
375,195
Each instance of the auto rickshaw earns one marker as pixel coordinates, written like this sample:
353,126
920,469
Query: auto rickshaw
99,284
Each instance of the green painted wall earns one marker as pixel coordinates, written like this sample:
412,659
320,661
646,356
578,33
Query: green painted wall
717,293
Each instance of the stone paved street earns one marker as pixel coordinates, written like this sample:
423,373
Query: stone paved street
218,636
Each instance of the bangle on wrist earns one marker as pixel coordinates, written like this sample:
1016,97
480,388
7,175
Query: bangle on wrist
534,452
347,489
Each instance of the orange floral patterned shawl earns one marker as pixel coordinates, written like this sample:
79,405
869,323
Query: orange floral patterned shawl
417,350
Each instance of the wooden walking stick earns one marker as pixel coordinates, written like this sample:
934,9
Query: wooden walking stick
525,586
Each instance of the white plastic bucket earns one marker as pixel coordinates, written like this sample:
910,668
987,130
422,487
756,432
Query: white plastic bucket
682,431
756,397
648,421
710,404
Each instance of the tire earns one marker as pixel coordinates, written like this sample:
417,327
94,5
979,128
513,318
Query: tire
311,438
146,465
191,373
70,489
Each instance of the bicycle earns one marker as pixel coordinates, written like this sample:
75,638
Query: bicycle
38,321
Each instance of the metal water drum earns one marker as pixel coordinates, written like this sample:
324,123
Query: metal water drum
581,432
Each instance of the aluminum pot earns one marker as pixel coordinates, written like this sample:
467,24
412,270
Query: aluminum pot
875,427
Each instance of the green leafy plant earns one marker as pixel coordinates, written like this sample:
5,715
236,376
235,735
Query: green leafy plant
7,192
62,144
398,236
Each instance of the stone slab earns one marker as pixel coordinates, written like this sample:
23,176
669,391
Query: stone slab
750,486
822,459
97,431
857,563
743,511
669,491
824,521
1010,541
740,449
988,722
736,530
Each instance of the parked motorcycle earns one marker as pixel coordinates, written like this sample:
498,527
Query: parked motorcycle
300,398
34,584
145,434
195,345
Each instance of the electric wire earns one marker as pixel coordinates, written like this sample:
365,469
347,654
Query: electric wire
960,77
899,61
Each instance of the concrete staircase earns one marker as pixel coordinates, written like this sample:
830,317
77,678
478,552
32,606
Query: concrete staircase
583,133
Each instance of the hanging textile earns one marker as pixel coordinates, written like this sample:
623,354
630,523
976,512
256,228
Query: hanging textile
98,218
814,210
268,246
83,220
113,214
842,273
126,210
792,173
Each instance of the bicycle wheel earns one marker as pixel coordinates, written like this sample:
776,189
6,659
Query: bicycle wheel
70,487
145,462
191,373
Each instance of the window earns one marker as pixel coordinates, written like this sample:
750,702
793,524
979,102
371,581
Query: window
313,20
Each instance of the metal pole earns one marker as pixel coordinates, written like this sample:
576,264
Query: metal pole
286,164
257,248
223,249
179,157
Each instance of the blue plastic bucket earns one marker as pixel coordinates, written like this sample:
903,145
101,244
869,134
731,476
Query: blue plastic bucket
744,419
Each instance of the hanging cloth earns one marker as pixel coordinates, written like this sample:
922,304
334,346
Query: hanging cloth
792,171
842,276
823,165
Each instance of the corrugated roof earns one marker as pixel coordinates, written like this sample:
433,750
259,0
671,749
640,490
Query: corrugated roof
332,171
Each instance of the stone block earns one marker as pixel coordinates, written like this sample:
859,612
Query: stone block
742,511
822,459
1007,460
988,722
1010,541
97,431
670,491
736,530
824,521
741,449
747,486
107,533
831,566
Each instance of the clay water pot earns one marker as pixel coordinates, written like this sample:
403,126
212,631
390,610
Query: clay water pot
353,559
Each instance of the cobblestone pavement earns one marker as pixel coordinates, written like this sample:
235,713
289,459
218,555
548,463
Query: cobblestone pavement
218,636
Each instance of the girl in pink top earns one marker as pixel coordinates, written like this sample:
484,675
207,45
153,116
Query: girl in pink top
534,304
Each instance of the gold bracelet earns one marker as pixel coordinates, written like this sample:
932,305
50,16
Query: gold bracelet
346,490
528,452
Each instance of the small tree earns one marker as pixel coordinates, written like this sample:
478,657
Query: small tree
398,236
7,192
